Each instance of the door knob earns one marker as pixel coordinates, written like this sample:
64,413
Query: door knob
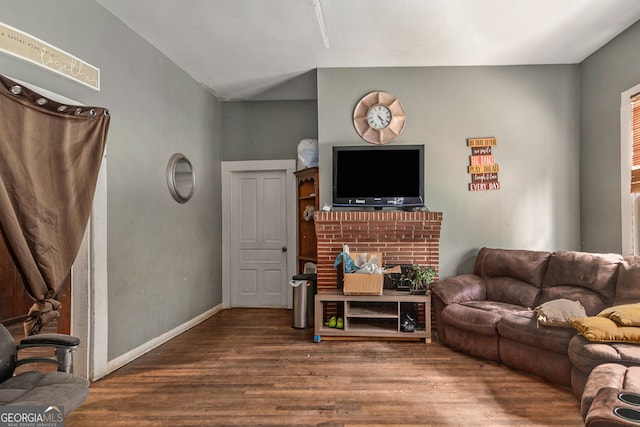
284,249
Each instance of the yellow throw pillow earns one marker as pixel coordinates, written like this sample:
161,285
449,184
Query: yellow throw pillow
623,315
602,329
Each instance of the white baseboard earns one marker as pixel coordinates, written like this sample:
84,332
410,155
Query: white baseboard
120,361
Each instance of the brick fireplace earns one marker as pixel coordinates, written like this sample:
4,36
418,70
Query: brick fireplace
401,237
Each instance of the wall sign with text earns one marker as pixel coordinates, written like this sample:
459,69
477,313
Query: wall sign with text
482,167
29,48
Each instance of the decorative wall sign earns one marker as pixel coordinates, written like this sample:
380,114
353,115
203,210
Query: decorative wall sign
481,142
28,48
482,167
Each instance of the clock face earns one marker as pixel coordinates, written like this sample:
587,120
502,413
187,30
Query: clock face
379,116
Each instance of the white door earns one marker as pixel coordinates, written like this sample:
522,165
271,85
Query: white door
259,273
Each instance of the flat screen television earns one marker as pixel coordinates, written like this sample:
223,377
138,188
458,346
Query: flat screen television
378,176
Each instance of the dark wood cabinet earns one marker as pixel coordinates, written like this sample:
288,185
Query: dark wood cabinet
15,301
308,201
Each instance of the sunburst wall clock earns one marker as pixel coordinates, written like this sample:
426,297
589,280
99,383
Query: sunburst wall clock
379,117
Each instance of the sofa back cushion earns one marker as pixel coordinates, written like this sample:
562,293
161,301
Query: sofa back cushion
512,276
511,291
527,266
581,276
628,285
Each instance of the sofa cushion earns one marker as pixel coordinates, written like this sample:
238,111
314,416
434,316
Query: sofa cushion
557,312
587,277
623,315
526,266
627,289
480,317
522,327
512,291
586,355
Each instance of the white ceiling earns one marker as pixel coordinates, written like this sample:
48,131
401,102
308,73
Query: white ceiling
244,49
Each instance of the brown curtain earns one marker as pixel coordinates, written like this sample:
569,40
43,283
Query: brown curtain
50,155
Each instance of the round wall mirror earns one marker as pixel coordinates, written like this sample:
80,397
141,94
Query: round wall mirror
180,178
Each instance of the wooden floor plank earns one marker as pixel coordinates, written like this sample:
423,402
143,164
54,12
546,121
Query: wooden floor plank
250,367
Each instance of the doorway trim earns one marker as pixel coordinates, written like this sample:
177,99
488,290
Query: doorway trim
89,286
230,167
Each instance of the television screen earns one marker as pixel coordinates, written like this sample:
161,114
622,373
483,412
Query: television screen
378,176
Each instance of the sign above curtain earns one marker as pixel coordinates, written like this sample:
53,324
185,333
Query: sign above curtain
31,49
50,156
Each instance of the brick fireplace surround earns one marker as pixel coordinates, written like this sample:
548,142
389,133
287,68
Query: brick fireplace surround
401,237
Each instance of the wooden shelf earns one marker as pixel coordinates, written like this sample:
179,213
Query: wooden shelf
308,196
371,316
373,310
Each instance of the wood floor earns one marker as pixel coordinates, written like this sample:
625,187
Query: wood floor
249,367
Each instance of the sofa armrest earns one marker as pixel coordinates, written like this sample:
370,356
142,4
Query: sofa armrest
465,287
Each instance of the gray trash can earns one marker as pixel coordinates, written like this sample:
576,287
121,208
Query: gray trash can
304,291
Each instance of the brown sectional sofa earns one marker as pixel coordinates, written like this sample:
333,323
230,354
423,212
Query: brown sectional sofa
490,313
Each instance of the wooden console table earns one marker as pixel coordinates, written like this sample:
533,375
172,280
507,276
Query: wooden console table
371,316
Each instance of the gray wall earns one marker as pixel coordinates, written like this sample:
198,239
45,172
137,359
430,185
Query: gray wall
266,130
164,259
605,75
164,271
533,111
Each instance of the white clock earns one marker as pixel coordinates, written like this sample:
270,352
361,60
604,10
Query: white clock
379,116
